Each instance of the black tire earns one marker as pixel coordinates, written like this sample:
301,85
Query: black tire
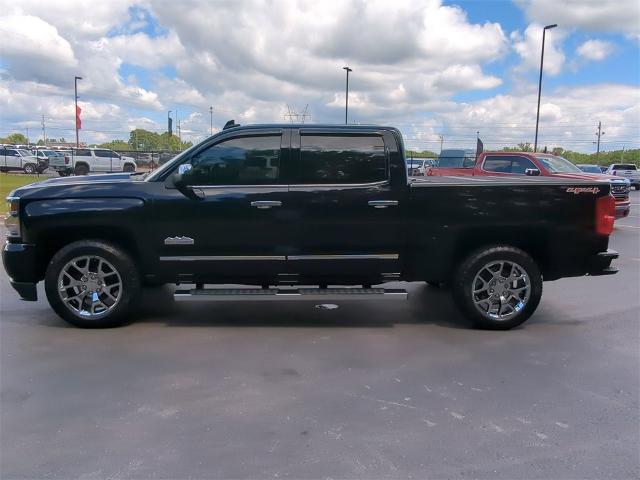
29,169
128,168
81,170
118,259
63,173
464,281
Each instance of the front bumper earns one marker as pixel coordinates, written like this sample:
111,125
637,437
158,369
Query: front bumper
623,209
19,261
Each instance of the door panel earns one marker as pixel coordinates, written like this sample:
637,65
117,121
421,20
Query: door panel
236,224
343,229
223,234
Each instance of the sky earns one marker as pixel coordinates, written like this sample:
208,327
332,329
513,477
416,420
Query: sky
438,70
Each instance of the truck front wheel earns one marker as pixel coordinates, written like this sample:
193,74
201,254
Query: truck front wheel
90,284
498,287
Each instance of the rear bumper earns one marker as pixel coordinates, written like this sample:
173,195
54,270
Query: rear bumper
19,261
600,264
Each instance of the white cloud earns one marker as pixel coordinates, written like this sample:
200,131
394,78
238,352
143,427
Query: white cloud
249,59
31,46
592,15
568,118
595,50
529,45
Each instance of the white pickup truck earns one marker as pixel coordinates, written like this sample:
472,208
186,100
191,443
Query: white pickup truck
82,161
626,170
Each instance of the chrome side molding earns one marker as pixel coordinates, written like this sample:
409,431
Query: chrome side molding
192,258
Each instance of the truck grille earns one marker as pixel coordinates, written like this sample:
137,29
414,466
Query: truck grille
620,192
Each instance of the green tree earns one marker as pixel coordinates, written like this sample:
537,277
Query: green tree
423,154
15,138
117,145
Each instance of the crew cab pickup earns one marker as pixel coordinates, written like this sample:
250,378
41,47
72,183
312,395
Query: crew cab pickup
510,164
303,212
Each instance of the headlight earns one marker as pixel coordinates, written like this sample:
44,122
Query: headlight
12,221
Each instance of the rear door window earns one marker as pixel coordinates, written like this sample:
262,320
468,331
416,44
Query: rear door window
625,166
341,159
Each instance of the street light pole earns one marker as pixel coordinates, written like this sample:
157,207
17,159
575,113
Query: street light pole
346,98
75,85
544,32
211,115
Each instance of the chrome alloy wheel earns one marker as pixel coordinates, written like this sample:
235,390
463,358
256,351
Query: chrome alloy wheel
89,286
501,289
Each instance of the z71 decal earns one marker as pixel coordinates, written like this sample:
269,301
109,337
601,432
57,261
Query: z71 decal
577,190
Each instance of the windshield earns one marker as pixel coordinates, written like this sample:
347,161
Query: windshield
557,164
590,168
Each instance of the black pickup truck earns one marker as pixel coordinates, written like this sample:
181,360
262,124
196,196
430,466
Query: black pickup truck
300,212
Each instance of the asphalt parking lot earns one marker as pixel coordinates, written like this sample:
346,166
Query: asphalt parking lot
369,390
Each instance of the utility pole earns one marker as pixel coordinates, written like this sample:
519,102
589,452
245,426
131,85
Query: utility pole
346,97
27,136
75,84
544,32
44,133
599,133
441,141
211,115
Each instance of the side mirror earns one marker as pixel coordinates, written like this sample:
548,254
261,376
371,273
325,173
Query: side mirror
177,180
532,172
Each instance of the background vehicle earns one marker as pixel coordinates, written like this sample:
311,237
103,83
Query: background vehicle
290,205
588,168
508,164
456,158
101,160
416,166
14,159
626,170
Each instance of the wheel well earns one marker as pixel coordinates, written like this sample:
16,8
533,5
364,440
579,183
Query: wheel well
82,164
530,241
53,241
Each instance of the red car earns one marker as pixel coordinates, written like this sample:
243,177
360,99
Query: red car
498,164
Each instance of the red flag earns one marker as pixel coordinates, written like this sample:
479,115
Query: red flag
78,121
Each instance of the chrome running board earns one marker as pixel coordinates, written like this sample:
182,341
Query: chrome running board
268,294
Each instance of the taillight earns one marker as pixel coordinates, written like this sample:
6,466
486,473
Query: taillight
66,160
605,214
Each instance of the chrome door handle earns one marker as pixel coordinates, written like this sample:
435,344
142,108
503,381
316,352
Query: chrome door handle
264,204
383,203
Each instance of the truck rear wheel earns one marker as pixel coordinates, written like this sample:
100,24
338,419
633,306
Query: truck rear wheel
90,284
498,288
81,170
